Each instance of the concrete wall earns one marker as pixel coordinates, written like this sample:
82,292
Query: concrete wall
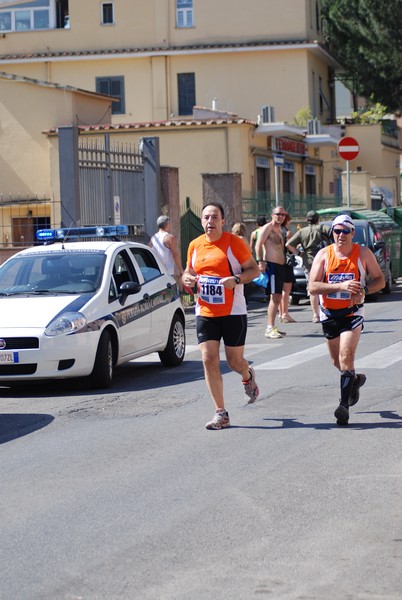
225,188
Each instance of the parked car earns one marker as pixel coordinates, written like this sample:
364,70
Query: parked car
366,234
383,223
80,308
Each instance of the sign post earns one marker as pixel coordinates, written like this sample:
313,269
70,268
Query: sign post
348,149
278,162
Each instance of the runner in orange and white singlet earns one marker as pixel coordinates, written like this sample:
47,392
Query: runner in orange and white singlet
213,261
342,274
219,263
337,270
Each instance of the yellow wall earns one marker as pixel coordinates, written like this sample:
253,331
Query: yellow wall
241,82
373,156
26,110
196,150
147,23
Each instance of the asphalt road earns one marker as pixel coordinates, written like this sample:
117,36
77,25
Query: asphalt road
124,494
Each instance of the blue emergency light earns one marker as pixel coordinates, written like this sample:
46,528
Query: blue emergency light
63,233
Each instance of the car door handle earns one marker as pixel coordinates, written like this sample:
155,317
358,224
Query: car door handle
145,297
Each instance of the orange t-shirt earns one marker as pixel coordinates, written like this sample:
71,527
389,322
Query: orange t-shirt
337,270
212,261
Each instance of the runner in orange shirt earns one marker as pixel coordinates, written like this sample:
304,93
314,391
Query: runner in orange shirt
219,263
342,274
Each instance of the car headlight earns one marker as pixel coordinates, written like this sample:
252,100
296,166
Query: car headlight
66,323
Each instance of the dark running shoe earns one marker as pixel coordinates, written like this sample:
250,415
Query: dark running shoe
342,414
359,381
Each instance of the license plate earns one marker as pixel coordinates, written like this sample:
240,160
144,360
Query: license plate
9,357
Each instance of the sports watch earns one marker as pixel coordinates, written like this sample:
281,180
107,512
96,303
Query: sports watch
237,279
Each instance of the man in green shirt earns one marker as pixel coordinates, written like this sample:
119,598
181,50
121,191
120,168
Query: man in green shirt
311,239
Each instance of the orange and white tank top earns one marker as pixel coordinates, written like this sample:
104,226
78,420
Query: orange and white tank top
212,261
341,269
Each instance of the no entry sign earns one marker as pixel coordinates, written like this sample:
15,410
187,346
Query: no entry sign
348,148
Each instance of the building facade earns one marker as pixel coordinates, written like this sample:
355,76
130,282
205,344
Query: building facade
220,86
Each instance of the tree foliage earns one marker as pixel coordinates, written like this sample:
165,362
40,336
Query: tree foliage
366,37
302,117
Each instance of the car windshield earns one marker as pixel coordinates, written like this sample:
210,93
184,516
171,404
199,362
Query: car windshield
65,272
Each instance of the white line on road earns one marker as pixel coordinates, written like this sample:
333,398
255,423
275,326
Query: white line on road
376,360
382,358
294,360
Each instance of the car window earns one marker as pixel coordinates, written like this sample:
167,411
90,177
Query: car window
146,263
123,270
372,236
360,236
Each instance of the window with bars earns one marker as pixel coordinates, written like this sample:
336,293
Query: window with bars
186,93
107,13
113,86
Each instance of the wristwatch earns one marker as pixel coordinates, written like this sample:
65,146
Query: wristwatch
237,279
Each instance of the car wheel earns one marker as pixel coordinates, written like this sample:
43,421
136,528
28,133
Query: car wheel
294,300
102,374
173,354
388,284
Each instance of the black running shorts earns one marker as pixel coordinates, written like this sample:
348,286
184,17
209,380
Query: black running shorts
276,278
232,329
332,328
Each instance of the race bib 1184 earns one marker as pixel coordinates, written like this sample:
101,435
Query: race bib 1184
210,290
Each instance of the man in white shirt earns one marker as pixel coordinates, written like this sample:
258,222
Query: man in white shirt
165,245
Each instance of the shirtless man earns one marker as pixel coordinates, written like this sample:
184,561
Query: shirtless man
270,253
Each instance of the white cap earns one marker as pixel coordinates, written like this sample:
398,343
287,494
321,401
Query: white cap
344,220
162,220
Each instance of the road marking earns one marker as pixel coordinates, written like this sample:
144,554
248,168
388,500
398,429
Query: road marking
382,358
295,359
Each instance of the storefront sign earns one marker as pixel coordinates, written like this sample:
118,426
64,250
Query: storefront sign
262,162
290,146
288,166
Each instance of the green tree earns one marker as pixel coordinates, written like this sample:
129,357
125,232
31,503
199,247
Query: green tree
366,38
302,117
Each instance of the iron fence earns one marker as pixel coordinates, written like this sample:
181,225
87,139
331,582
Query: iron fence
20,218
296,206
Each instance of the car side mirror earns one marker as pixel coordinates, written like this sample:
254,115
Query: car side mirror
379,245
127,288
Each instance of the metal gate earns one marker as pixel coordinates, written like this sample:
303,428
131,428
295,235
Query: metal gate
104,183
111,182
190,228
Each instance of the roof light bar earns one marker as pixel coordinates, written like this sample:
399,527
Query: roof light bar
47,235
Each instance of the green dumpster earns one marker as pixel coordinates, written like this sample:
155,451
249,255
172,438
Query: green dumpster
390,230
395,212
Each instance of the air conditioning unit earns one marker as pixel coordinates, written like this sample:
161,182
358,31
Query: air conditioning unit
268,114
314,127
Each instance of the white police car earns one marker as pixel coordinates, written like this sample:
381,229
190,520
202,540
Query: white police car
80,308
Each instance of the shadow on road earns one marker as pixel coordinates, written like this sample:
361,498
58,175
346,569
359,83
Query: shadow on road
295,424
13,426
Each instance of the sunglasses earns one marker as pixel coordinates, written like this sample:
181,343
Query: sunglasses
280,214
345,231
